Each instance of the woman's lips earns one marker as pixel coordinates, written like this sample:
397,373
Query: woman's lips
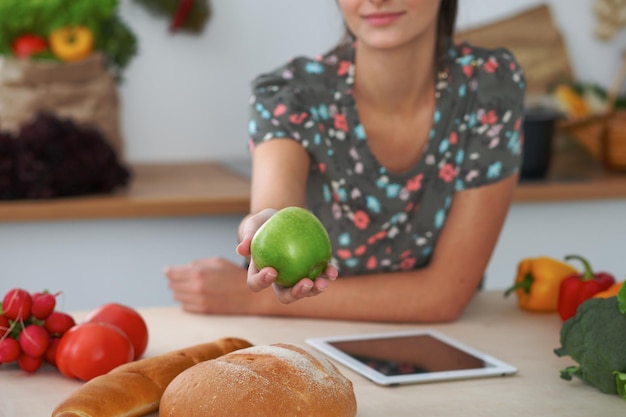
382,19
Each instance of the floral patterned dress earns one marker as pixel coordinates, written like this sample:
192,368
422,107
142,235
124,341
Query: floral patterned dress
379,220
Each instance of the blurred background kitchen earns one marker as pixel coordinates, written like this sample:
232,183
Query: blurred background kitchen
184,99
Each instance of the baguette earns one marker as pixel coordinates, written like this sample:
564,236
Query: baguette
135,389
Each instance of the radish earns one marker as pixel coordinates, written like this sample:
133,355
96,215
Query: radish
17,304
58,323
28,363
5,326
43,305
9,350
34,340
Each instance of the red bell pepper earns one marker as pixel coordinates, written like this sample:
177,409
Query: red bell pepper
576,289
182,11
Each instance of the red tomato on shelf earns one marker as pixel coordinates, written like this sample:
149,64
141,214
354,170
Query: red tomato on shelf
127,319
26,45
89,350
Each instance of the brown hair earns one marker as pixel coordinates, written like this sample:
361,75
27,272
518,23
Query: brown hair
446,21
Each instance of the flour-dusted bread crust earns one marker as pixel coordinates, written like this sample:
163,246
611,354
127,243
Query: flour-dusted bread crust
135,389
261,381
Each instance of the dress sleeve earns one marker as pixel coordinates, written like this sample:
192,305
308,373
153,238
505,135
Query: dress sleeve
494,148
275,110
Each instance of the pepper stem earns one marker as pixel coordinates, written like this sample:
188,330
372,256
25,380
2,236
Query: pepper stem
588,272
524,284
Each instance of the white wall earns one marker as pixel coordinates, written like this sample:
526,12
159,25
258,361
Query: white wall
594,230
95,262
185,96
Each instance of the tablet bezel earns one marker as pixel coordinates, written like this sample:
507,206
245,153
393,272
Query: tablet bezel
495,367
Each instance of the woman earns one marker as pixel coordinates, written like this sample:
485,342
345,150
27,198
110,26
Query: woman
406,146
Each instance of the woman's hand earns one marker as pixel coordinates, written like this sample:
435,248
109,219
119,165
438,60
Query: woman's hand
211,286
259,280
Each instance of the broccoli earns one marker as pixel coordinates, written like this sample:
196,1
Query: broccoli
596,339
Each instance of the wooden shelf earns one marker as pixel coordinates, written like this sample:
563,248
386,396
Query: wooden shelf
163,190
573,176
211,188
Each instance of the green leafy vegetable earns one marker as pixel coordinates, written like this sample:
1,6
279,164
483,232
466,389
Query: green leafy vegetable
620,382
621,299
596,339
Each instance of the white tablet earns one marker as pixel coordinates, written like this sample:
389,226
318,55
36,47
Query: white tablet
409,357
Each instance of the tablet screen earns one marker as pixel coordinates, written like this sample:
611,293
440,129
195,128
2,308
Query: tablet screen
413,354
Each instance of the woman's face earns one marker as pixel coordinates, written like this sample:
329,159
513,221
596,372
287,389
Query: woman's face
387,24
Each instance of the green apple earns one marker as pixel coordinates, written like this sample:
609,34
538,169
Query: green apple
295,243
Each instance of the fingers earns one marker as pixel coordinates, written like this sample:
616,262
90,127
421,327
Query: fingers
331,272
304,288
181,282
189,283
243,248
212,285
260,280
177,273
193,303
250,227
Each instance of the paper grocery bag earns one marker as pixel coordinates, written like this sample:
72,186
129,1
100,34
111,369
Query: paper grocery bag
83,91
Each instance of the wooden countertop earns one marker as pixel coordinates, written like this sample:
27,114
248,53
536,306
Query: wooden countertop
491,323
211,188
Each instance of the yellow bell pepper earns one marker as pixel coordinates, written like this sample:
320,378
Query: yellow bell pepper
71,44
538,281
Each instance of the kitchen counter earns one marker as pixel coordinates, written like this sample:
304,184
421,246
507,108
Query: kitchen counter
214,188
491,323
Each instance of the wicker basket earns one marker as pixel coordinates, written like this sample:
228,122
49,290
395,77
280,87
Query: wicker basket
603,136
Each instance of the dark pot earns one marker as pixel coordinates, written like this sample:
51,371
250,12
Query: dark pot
538,129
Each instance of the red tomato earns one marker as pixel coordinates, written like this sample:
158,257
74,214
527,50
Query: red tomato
27,45
127,319
92,349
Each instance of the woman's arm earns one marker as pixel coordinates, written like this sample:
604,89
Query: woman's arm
218,286
279,173
438,293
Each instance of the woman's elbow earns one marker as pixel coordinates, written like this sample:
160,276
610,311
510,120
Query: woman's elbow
445,311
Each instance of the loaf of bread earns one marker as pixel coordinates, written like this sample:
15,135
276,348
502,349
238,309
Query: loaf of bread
261,381
135,389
